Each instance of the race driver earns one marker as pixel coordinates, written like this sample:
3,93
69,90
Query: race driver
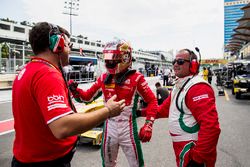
126,83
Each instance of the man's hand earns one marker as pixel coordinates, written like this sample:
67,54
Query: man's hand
146,131
73,88
192,163
115,108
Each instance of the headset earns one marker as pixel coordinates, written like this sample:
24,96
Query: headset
193,68
56,45
56,40
194,64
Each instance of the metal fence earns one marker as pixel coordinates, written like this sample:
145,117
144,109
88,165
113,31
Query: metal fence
80,76
10,65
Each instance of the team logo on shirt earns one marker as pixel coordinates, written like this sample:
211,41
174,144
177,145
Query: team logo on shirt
110,86
55,102
204,96
55,99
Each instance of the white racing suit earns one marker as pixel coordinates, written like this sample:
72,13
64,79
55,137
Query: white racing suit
193,121
122,130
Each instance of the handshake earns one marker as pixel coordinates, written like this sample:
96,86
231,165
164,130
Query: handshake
114,107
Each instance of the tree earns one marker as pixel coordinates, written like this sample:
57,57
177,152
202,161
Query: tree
5,50
79,36
8,20
25,23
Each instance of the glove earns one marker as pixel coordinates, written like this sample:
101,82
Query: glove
192,163
146,131
73,88
72,85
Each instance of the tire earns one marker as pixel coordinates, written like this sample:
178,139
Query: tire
237,95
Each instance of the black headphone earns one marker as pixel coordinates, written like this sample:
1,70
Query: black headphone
56,40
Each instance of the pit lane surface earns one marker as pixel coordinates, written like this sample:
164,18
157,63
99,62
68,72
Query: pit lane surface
233,146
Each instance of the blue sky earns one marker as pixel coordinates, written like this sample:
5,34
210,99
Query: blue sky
146,24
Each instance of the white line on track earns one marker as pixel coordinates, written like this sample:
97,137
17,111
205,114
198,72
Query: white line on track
226,95
6,120
6,132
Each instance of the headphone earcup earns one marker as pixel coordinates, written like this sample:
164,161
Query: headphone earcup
56,43
194,66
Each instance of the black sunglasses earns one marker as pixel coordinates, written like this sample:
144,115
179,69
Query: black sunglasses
179,61
70,45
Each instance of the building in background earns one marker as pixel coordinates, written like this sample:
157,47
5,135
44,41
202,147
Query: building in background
232,13
15,49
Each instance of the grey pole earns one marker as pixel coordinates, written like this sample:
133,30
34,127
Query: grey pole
23,53
70,6
0,58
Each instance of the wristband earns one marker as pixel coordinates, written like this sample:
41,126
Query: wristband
151,119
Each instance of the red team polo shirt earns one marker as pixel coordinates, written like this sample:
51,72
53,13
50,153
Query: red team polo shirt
39,97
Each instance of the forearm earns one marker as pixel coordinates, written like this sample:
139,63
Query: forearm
150,99
163,109
151,110
89,94
78,123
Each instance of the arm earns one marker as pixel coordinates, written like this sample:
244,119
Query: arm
78,123
151,110
86,95
50,93
148,96
200,100
163,109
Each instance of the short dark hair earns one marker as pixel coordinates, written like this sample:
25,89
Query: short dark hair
157,84
191,53
39,36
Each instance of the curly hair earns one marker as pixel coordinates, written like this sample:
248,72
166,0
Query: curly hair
39,36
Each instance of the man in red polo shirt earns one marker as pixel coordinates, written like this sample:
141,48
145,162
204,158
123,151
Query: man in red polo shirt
46,122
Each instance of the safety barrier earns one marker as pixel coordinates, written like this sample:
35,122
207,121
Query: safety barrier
81,77
6,81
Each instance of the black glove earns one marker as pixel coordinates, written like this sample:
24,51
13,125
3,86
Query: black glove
192,163
73,88
72,85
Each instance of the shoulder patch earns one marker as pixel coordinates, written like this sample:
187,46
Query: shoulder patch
204,96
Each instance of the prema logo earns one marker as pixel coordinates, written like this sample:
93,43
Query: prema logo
55,98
